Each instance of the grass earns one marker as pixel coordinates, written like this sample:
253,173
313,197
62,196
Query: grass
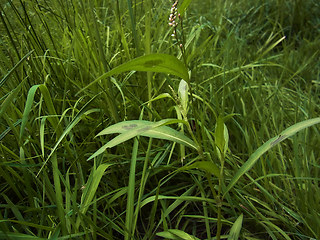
100,138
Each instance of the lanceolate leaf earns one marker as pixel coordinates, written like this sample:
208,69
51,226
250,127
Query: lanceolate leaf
130,129
236,228
177,234
150,63
269,144
207,166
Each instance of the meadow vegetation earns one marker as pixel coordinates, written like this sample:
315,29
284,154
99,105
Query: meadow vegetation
110,129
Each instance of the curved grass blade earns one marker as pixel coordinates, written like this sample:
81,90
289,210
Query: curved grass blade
4,79
269,144
90,189
74,122
9,98
130,129
149,63
92,186
207,166
27,108
17,236
176,234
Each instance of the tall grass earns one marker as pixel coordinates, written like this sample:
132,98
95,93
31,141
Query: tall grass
100,138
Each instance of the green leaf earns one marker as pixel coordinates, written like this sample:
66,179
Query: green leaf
236,228
17,236
176,234
92,186
130,129
269,144
74,122
221,136
150,63
27,108
10,98
160,96
207,166
183,7
4,79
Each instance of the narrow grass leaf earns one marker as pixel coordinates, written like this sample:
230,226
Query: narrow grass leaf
74,122
269,144
30,224
92,186
58,193
219,135
236,228
114,81
177,234
150,63
9,99
18,236
27,109
183,7
42,125
54,121
173,207
160,96
4,79
278,230
167,235
182,198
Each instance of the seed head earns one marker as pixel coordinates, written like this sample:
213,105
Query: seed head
172,17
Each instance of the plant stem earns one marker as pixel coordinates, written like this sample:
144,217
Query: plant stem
220,197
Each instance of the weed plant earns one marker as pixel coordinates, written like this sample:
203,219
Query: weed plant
112,128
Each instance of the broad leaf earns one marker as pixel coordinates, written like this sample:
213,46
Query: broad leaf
150,63
130,129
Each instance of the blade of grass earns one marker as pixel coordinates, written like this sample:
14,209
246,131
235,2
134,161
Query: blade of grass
236,228
5,78
58,192
74,122
268,145
131,189
133,27
90,189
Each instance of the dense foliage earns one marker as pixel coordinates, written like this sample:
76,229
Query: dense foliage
195,139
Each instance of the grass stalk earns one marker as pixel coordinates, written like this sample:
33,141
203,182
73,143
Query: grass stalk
58,194
129,224
133,27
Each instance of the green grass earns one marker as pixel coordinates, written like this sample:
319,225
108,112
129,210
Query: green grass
110,130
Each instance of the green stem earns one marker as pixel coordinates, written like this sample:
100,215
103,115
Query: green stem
220,198
133,26
148,51
131,187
